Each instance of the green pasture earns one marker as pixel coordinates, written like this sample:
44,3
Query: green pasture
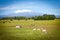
8,30
27,23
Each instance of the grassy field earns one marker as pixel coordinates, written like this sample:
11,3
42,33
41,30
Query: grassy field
8,31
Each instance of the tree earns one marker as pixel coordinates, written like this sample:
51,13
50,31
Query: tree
49,17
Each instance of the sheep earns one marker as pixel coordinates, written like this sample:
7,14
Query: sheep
44,30
34,29
17,26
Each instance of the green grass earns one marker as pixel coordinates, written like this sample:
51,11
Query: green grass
27,34
27,23
9,32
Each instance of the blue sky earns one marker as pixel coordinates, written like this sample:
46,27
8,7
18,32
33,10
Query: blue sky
36,6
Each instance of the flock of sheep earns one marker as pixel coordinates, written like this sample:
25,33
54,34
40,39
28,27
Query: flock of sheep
42,29
34,29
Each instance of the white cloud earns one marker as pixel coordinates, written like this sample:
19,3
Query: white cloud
20,11
8,7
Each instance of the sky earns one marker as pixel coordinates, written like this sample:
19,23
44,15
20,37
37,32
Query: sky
29,6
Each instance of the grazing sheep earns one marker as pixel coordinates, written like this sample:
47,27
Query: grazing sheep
44,30
34,29
17,26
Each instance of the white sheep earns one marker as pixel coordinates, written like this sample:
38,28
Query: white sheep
17,26
44,30
34,29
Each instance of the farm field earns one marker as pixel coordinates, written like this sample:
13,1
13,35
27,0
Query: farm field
8,30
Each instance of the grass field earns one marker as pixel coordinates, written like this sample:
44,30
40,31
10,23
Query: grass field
8,31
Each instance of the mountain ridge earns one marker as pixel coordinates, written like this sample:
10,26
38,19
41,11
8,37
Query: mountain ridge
27,14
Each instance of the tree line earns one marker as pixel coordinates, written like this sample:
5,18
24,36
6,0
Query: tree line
43,17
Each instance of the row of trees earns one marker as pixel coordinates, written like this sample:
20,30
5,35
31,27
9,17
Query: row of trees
43,17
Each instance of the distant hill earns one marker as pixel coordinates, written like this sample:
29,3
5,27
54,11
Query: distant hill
27,14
